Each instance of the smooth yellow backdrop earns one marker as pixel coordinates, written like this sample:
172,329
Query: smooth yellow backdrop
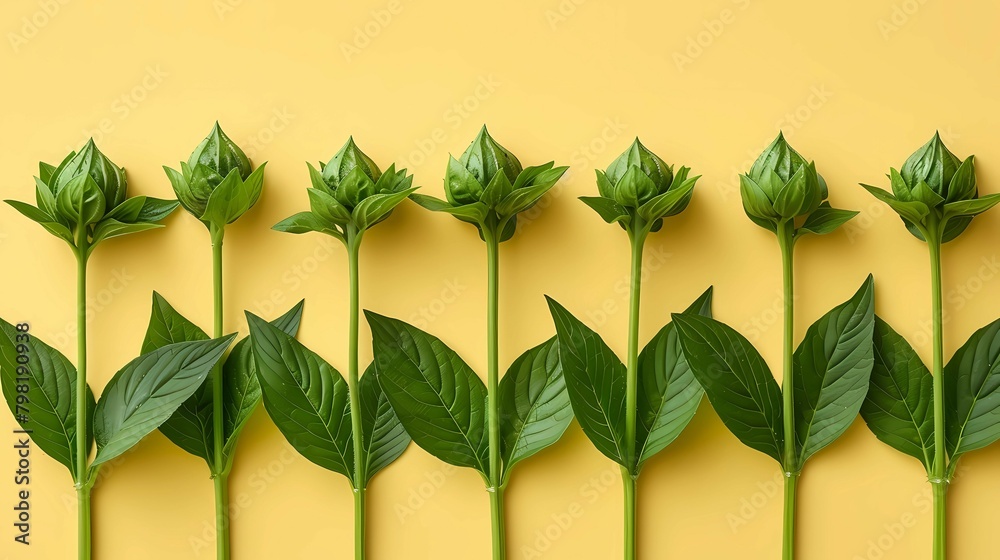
855,85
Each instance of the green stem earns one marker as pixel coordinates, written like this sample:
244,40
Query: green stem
83,486
353,249
219,476
788,541
938,475
786,242
493,341
628,479
628,486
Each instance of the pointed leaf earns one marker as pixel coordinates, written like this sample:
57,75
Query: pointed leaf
737,381
833,365
609,210
972,392
595,379
377,207
899,408
438,398
384,438
534,405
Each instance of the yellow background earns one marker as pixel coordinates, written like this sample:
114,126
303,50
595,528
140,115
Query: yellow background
855,85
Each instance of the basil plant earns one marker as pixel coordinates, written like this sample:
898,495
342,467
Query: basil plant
84,201
825,379
217,185
361,434
632,411
444,406
935,415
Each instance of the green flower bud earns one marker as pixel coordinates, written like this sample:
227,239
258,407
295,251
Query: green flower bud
935,192
221,155
781,186
107,177
468,177
649,165
217,164
351,175
639,189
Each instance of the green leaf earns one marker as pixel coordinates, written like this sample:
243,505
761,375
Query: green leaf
668,393
522,199
538,174
460,185
595,380
326,207
438,398
923,193
377,207
899,408
305,396
971,207
737,381
155,209
127,211
911,211
147,391
80,200
44,197
825,219
305,222
190,427
609,210
634,187
474,213
50,380
832,366
108,228
240,387
972,392
316,178
534,405
383,435
233,197
50,223
669,203
498,188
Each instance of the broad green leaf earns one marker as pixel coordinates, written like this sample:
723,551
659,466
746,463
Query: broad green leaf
377,207
972,207
972,392
305,396
473,213
144,393
832,366
534,405
324,205
668,393
190,427
537,174
109,228
669,203
498,188
383,435
155,209
609,210
50,383
240,386
912,211
899,408
737,381
595,379
438,398
522,199
127,211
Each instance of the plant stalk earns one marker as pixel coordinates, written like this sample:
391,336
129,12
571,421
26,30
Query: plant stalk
353,240
83,487
938,476
786,242
628,479
493,381
219,476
